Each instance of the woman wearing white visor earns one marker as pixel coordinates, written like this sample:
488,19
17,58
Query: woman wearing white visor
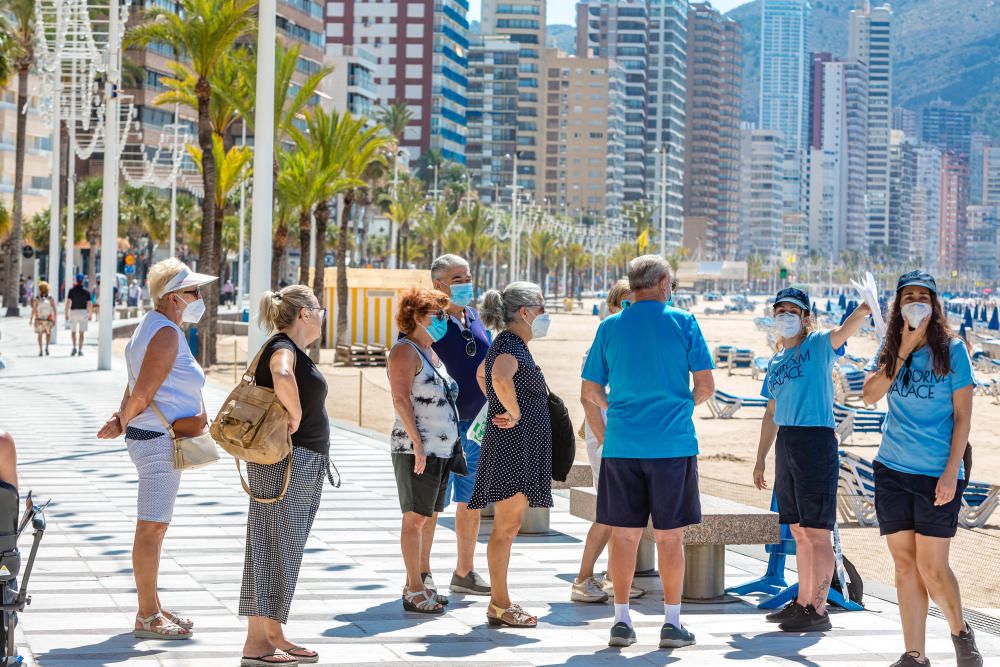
162,376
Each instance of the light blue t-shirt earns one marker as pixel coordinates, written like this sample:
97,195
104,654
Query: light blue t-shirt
646,354
916,435
800,380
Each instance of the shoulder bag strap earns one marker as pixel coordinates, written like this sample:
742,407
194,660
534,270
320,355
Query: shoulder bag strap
251,370
436,372
284,486
167,425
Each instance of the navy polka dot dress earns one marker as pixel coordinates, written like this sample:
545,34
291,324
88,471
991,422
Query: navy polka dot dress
516,460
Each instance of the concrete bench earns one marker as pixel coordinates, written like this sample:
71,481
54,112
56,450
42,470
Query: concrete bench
723,522
536,519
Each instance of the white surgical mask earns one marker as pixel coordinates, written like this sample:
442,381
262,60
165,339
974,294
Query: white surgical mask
193,312
787,325
916,313
540,326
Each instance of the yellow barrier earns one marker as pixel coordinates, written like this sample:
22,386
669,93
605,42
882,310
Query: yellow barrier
371,302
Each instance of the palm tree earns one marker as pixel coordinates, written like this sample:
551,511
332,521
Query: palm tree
233,168
434,227
87,208
204,32
404,207
394,118
19,43
302,186
474,224
544,245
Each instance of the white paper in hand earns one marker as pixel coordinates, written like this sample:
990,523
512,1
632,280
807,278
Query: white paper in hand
868,291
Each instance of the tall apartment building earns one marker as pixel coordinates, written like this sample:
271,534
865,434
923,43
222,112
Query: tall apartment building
870,44
902,179
584,156
523,21
906,120
991,176
784,69
351,85
38,156
619,29
665,121
947,127
492,116
981,244
925,210
712,133
838,131
978,142
761,159
420,51
954,201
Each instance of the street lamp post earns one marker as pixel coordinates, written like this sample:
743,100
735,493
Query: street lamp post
514,231
393,230
662,159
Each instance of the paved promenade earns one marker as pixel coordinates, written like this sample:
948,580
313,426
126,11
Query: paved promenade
347,605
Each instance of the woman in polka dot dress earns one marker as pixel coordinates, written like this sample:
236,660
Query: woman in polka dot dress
515,466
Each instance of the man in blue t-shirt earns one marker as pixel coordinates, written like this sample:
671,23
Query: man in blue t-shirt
646,355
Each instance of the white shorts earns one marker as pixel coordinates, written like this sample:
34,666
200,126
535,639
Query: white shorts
78,320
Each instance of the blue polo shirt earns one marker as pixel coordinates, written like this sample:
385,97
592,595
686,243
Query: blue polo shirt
916,437
451,350
646,354
800,380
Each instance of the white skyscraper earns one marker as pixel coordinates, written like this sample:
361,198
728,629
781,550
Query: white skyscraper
784,70
870,43
925,211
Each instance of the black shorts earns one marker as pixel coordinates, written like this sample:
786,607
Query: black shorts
806,472
629,491
423,494
906,502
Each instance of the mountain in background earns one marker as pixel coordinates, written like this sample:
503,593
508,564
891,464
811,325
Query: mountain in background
562,37
942,48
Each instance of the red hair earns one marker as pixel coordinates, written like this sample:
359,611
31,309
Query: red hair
416,303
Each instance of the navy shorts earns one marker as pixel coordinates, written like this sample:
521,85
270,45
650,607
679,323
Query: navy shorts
629,491
906,502
806,472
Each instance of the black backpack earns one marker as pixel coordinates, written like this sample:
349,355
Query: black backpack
855,586
563,438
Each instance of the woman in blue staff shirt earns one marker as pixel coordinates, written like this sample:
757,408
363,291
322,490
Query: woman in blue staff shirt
925,372
799,386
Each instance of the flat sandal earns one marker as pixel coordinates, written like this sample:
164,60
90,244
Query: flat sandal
522,619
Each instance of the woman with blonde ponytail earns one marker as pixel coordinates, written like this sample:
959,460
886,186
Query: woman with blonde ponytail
277,531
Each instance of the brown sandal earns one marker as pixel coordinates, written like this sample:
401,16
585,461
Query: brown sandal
518,617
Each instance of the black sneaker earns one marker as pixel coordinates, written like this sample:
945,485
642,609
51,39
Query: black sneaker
784,613
622,634
909,659
966,653
73,353
805,619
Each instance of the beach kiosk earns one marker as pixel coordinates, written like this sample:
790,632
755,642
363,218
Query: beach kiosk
373,295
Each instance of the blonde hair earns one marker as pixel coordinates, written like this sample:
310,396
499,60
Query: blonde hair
618,292
43,288
160,275
278,310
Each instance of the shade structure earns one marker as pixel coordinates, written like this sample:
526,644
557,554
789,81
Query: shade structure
961,332
829,306
842,301
967,322
995,320
975,313
983,315
843,318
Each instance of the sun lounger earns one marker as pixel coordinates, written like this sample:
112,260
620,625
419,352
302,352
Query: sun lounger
849,385
724,406
856,420
740,358
856,497
759,368
978,502
763,323
722,355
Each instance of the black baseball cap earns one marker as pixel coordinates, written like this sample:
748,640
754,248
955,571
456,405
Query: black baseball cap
794,296
918,278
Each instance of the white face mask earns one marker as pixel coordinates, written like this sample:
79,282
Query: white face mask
193,312
540,326
787,325
916,313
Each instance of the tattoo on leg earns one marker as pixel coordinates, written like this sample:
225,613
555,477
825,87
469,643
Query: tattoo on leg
821,594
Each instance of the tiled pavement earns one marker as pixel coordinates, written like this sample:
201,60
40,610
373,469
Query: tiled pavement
347,605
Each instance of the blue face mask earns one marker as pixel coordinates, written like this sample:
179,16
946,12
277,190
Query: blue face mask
437,329
461,295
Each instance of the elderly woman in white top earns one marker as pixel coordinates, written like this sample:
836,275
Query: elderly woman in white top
161,370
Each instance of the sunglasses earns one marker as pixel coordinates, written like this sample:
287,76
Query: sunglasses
470,342
906,372
194,291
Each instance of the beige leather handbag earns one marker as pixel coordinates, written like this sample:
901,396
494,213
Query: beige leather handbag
253,426
189,453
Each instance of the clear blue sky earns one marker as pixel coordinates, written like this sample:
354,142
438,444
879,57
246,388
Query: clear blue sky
564,11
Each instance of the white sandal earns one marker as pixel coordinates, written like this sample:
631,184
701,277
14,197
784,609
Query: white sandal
166,630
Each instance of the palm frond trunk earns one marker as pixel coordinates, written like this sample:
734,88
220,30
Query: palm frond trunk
209,251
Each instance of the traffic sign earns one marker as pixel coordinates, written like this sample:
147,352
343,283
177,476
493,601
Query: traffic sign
27,252
129,260
129,268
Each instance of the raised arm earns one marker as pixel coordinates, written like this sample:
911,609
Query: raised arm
851,326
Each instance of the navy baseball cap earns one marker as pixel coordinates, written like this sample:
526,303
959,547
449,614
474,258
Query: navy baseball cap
794,296
79,278
918,278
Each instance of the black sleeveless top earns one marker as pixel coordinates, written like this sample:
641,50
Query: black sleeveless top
314,429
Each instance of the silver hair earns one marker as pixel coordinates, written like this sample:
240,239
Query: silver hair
445,263
647,271
499,309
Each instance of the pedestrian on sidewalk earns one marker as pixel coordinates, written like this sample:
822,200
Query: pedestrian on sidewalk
43,316
799,422
924,371
586,586
515,465
79,310
462,349
277,531
164,387
423,437
647,355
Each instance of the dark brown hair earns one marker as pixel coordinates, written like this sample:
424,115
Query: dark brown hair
938,338
416,303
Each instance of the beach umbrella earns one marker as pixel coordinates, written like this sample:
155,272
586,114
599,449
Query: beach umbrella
829,306
982,314
842,302
843,318
961,332
967,321
813,308
995,321
975,313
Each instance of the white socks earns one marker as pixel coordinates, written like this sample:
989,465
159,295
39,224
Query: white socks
672,614
621,614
